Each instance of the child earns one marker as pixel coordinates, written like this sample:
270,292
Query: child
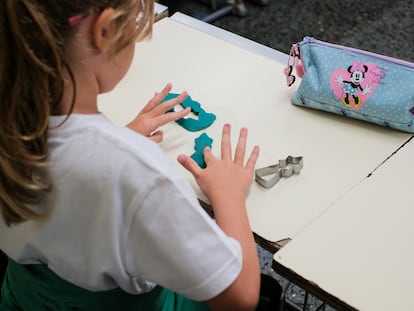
95,217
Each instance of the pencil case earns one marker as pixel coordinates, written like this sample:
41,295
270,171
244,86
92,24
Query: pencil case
353,83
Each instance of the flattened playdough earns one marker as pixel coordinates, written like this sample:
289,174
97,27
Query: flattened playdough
204,120
200,143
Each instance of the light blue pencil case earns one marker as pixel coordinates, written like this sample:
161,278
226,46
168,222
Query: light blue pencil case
353,83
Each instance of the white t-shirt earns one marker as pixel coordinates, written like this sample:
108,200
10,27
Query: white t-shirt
122,216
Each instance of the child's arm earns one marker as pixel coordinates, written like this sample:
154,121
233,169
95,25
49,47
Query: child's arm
153,115
226,182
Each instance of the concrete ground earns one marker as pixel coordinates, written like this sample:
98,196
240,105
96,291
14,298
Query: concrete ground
380,26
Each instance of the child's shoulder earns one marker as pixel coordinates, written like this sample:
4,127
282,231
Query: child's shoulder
96,141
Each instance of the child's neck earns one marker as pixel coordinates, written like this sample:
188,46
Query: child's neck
86,94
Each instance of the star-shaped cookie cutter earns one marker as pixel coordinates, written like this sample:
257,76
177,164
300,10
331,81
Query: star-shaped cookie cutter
285,168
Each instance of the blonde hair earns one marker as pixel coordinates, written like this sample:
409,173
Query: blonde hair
33,34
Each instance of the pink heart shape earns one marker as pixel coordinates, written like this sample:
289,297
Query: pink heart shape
287,71
290,79
354,85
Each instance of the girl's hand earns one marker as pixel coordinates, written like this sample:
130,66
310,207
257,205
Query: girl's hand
153,115
226,177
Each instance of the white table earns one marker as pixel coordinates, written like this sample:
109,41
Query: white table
361,249
247,89
243,84
160,11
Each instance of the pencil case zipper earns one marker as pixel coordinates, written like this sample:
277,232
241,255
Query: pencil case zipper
295,61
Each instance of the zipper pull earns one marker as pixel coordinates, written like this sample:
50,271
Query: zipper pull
300,70
293,61
290,78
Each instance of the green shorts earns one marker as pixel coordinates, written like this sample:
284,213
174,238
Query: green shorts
37,288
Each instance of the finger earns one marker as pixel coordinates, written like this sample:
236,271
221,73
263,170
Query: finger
167,105
164,92
151,104
208,155
190,165
225,142
241,147
251,162
157,98
157,136
161,108
171,116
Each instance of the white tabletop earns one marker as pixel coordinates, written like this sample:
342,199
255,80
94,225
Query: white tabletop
362,249
247,89
230,37
159,8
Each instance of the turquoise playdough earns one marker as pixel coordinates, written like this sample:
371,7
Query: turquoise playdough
200,143
204,120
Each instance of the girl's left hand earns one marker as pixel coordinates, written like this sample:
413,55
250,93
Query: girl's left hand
154,115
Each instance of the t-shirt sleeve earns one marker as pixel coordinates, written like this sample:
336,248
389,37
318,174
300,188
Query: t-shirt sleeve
174,243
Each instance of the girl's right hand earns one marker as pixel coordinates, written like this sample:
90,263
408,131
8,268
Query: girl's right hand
225,177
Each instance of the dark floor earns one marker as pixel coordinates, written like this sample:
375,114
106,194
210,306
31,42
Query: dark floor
381,26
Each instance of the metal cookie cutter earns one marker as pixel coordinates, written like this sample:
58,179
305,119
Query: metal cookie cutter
285,168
